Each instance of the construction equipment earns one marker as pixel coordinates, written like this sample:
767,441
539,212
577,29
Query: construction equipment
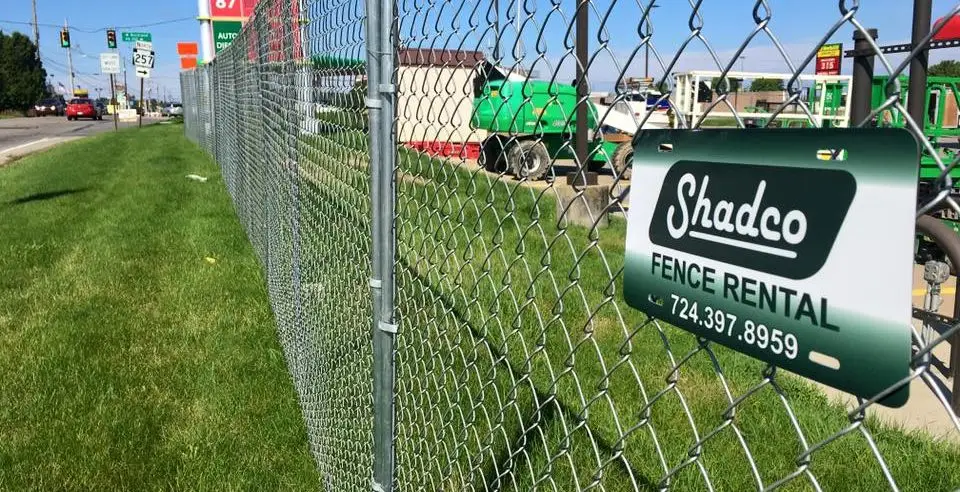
532,124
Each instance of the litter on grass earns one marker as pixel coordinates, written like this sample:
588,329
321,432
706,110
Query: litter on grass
211,260
196,177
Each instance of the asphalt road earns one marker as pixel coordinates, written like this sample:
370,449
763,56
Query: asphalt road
20,136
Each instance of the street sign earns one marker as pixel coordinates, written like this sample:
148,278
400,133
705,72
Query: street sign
224,32
726,241
109,63
143,46
143,72
130,37
143,58
828,59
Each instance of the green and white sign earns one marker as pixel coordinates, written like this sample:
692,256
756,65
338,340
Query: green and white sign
224,32
750,239
132,37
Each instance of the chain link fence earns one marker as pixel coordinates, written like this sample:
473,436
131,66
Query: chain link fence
449,295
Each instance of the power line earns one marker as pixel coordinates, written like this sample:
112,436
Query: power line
100,29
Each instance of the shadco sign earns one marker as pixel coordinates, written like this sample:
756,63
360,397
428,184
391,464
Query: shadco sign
750,239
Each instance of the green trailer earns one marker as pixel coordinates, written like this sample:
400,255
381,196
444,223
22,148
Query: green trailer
937,127
532,123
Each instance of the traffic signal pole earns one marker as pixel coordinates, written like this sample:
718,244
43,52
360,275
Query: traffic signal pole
113,102
66,28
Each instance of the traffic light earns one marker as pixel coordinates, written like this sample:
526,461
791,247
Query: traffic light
64,38
111,39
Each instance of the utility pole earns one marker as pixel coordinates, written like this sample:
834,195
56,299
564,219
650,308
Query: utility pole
69,61
36,29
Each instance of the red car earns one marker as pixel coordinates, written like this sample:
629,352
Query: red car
82,107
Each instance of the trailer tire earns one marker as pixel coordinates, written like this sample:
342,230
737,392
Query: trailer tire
492,156
943,237
622,161
528,159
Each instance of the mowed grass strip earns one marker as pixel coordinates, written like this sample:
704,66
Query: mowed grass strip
128,360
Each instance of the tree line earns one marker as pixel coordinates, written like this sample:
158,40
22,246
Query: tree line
22,77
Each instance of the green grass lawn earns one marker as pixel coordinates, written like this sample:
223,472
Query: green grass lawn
128,360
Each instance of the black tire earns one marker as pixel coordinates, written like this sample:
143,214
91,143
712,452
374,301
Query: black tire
946,240
529,159
492,156
622,162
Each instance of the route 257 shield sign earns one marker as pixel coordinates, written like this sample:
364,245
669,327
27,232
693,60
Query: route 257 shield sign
793,246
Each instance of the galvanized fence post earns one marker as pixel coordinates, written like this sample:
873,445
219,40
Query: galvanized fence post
380,108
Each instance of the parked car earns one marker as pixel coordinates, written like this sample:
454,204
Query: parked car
101,109
82,107
50,106
175,109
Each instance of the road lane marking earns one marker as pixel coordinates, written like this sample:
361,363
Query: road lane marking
16,147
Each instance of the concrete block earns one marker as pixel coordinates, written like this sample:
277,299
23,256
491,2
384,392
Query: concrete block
583,205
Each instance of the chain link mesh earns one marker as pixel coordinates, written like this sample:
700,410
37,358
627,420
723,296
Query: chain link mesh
518,364
287,132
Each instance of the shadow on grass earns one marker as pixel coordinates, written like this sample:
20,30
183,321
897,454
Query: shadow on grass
46,195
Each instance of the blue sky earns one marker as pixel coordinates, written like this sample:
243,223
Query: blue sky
90,15
798,25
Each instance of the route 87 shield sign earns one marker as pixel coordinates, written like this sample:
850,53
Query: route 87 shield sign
792,246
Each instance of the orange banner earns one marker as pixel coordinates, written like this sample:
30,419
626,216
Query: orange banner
187,48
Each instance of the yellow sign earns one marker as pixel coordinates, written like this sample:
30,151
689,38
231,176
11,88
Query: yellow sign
829,50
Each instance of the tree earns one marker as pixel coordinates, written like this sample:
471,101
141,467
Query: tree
946,68
760,85
734,84
22,77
